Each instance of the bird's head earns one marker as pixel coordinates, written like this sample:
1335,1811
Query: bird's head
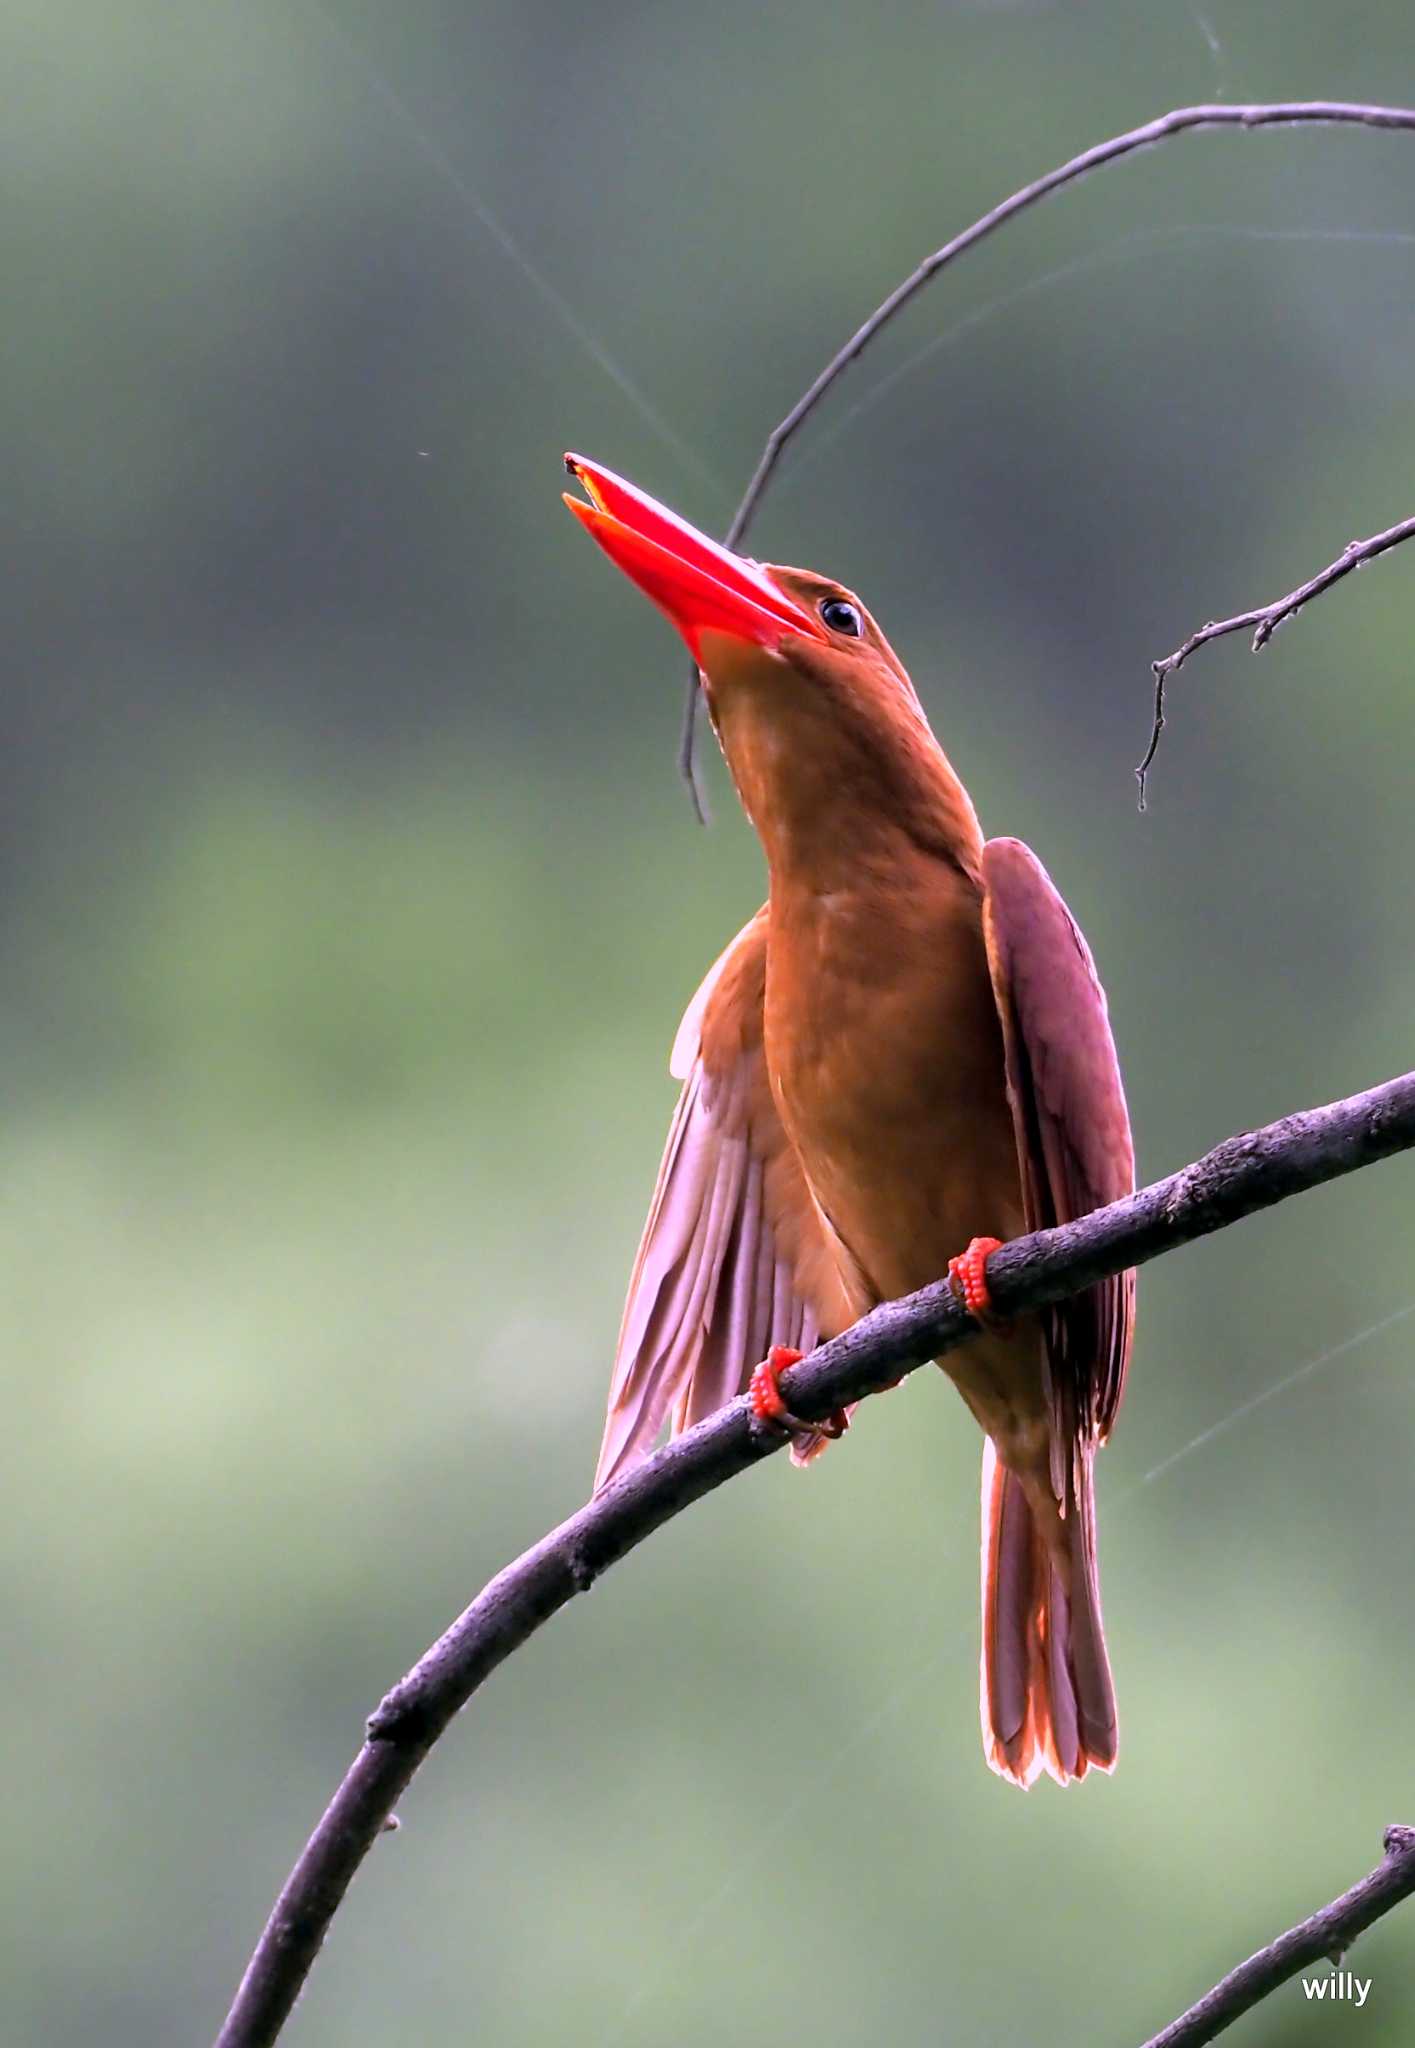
814,710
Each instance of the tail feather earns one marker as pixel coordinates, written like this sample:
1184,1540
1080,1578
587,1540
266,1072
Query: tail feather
1048,1702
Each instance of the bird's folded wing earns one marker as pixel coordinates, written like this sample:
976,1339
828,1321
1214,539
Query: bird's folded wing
734,1257
1068,1108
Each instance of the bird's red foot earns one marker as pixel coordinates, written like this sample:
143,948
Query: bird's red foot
969,1275
769,1406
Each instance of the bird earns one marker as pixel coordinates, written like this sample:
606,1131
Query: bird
905,1048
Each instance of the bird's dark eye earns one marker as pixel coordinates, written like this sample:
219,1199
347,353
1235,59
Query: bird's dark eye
842,617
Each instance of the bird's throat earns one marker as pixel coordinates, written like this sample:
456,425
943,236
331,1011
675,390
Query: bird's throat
834,799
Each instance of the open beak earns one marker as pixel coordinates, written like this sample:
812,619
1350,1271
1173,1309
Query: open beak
703,588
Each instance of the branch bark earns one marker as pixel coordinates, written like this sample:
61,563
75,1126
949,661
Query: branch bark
1246,1173
1265,620
1179,121
1326,1936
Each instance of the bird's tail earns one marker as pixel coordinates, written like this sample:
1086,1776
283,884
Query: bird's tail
1048,1701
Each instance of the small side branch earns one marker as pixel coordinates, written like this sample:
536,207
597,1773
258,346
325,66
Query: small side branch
1324,1938
1244,1174
1264,621
1179,121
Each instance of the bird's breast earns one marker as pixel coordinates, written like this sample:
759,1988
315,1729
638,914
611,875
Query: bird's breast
885,1056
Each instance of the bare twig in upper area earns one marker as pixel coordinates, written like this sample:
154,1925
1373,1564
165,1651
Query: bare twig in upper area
1244,1174
1325,1937
1265,620
1179,121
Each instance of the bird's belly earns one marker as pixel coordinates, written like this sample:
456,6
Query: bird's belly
892,1087
884,1049
910,1158
904,1192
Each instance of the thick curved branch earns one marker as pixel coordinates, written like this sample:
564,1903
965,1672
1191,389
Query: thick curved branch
1249,1172
1179,121
1265,620
1324,1938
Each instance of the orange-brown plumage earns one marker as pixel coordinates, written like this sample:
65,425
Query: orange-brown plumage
905,1048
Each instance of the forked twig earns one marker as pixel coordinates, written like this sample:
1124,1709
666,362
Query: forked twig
1265,620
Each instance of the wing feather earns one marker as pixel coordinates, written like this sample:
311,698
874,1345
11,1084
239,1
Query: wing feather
733,1258
1070,1117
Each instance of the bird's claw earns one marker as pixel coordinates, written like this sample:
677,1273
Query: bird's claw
769,1407
968,1274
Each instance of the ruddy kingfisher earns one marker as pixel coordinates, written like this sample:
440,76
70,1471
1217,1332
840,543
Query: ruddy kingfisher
906,1048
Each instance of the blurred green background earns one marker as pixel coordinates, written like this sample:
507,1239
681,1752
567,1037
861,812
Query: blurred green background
349,902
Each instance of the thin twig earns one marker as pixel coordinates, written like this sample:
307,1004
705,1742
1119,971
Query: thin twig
1265,620
1179,121
1325,1937
1245,1173
687,754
